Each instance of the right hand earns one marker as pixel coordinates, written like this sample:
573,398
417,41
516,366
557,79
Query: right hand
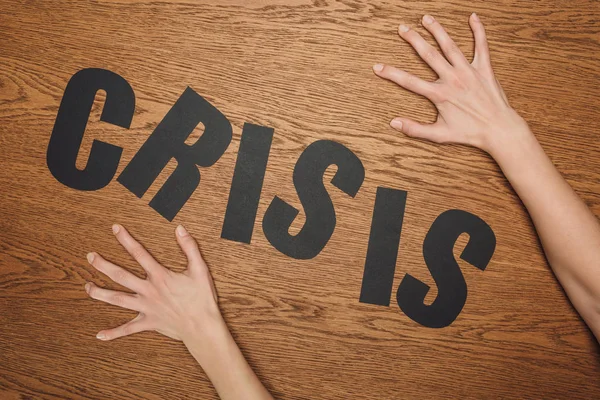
472,107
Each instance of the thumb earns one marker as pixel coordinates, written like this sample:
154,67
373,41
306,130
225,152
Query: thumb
196,263
433,132
190,248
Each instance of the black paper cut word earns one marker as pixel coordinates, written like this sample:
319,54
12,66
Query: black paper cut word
167,142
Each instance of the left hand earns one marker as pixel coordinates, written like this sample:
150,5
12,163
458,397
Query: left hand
177,305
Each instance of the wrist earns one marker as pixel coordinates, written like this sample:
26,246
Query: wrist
204,338
204,326
511,136
518,153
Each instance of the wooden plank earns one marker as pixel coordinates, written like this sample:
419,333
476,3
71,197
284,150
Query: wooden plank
303,68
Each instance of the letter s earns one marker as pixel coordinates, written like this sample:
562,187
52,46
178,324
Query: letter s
320,213
438,253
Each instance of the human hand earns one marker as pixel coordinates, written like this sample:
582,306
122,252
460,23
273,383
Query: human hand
472,107
171,303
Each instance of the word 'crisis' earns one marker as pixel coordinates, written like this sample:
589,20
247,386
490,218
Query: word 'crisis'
167,142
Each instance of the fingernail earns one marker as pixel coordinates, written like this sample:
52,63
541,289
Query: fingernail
378,67
181,231
475,17
116,228
100,336
87,287
403,28
428,19
90,257
396,124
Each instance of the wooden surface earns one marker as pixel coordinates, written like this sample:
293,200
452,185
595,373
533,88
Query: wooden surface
304,68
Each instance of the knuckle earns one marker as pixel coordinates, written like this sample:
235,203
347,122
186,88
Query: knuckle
127,330
120,276
159,278
410,80
457,82
118,300
452,48
428,89
197,264
430,54
189,242
137,251
436,94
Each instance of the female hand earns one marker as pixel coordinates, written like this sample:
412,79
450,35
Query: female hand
472,107
182,306
174,304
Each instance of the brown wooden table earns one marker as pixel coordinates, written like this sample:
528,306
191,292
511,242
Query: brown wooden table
303,68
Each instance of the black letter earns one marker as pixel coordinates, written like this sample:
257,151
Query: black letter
168,141
384,241
247,183
437,251
71,121
320,214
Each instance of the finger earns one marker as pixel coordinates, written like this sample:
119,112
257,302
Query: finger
426,51
120,299
190,248
405,79
432,132
482,51
116,273
449,48
137,251
195,261
138,324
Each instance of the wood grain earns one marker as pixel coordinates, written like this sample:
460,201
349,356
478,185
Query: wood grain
304,68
